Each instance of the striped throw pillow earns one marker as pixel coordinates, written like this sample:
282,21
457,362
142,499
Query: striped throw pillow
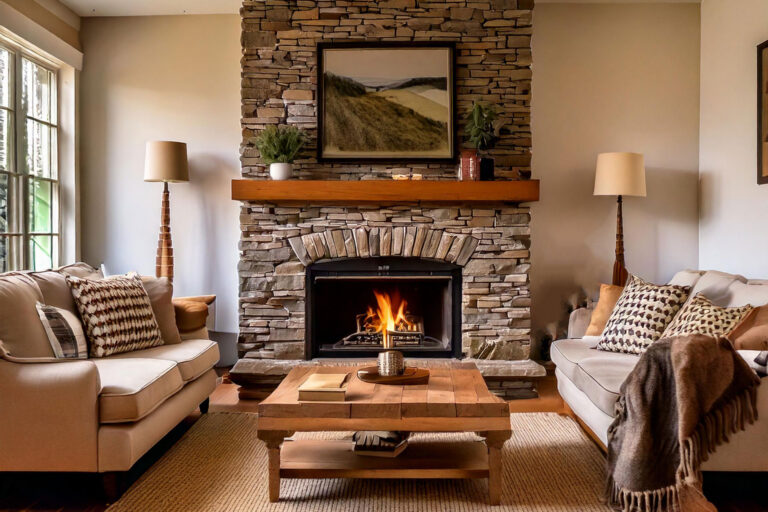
64,331
117,314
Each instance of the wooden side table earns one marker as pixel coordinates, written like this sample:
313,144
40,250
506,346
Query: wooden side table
456,399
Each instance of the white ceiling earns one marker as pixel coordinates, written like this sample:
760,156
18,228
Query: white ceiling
151,7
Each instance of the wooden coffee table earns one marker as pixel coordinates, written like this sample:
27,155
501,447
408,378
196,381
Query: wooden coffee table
456,399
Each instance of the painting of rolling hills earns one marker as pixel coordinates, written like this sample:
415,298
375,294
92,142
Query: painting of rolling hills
386,103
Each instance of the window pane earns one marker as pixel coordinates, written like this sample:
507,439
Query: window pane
5,77
4,265
38,148
40,207
37,90
42,251
6,141
4,181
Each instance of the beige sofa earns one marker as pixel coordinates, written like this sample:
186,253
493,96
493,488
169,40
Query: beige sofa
94,415
589,380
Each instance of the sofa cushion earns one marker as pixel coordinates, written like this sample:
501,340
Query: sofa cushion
64,330
686,278
754,293
566,354
193,357
160,291
714,285
700,316
642,313
598,374
601,377
133,388
609,295
20,329
752,331
53,285
117,314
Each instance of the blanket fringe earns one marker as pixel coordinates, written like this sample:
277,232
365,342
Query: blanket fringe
713,430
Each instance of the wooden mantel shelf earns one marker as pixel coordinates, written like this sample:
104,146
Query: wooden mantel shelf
385,191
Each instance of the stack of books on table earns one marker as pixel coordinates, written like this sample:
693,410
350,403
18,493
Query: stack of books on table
380,443
324,387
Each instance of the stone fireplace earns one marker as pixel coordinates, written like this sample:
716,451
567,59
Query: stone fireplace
474,301
484,249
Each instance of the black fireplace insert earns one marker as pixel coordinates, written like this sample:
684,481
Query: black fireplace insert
361,306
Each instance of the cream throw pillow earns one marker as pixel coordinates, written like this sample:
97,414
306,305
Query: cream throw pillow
700,316
641,314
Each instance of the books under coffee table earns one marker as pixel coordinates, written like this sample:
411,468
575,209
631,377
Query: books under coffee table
455,399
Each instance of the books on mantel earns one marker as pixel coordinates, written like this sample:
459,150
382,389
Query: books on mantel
380,443
324,387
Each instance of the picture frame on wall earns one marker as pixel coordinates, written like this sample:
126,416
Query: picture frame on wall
762,113
386,102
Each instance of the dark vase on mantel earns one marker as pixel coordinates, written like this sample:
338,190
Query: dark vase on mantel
486,169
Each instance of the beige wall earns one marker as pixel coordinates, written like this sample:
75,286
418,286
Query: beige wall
732,230
612,78
163,78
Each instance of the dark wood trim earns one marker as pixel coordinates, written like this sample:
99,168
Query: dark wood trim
761,83
385,191
322,46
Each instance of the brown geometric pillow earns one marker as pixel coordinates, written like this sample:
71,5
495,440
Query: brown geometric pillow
641,314
700,316
116,313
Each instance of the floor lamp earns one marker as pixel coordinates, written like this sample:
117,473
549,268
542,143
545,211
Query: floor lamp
620,174
167,162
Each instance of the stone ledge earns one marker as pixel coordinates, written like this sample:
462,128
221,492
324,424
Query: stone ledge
259,371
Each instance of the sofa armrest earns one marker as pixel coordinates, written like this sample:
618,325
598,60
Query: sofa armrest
191,315
49,416
578,322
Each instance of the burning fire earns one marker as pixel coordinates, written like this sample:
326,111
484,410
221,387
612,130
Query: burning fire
389,316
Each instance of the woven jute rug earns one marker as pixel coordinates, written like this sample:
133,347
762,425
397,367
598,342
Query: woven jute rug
220,465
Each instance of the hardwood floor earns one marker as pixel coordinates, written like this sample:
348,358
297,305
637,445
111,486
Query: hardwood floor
61,492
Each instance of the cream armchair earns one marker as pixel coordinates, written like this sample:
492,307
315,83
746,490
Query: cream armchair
94,415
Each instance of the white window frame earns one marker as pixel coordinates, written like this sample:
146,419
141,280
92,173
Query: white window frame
19,236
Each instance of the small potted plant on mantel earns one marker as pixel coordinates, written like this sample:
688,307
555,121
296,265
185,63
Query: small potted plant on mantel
279,145
481,129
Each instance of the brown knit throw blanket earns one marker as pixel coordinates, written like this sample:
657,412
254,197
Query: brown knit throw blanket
684,398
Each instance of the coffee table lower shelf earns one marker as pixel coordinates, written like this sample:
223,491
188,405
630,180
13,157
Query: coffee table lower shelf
336,459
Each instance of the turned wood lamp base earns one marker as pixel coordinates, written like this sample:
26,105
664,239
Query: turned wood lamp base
620,273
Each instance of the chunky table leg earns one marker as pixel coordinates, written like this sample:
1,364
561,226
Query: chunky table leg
494,440
273,439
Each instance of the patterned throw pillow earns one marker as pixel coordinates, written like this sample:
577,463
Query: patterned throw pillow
641,314
700,316
117,314
65,332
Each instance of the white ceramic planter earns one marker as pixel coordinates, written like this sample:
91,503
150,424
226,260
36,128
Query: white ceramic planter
279,172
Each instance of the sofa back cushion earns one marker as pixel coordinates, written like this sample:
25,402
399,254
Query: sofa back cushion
716,286
160,291
686,278
21,331
53,284
117,314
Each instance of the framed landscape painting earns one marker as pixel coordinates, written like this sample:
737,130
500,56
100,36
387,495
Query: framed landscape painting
762,113
386,102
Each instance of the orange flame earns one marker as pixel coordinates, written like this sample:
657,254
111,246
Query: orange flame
385,319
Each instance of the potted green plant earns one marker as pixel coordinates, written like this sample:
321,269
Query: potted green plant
481,132
279,145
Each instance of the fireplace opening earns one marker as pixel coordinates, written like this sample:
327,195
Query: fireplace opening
359,307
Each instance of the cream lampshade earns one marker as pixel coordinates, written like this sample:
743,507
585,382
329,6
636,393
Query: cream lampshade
165,161
620,174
